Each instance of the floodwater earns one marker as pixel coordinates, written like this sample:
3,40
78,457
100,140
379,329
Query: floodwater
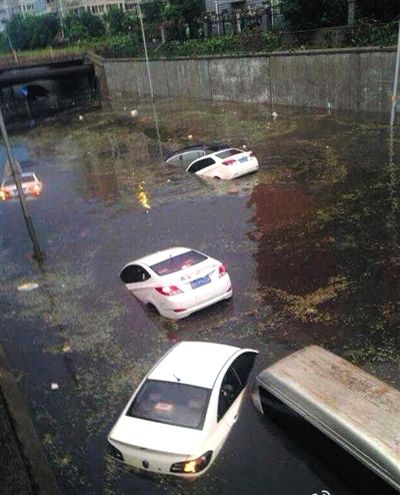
310,242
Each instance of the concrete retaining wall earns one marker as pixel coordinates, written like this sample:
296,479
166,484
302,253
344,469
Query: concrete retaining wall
350,79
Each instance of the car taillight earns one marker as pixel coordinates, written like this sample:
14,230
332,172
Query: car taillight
221,270
113,451
251,153
170,290
4,194
193,466
230,161
36,187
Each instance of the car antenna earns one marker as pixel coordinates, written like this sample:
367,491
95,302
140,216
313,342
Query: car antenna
177,379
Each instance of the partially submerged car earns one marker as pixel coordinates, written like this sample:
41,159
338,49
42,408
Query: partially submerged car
31,186
182,412
177,281
185,156
356,410
216,161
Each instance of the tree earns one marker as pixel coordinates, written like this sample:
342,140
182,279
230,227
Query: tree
312,14
384,10
178,13
83,25
119,22
153,11
32,31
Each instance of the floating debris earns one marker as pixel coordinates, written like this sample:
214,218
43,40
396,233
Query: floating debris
134,113
28,286
66,347
190,137
274,115
54,386
80,117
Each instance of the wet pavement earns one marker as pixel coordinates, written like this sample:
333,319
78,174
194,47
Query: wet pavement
14,479
310,242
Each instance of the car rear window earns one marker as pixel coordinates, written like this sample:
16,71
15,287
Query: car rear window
171,403
227,153
10,180
179,262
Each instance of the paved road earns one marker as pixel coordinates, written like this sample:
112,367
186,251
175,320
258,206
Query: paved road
284,236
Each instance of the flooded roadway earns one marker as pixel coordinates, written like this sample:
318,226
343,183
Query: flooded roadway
310,242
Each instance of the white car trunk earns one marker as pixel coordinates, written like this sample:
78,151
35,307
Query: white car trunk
160,437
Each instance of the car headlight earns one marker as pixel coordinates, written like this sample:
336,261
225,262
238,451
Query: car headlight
113,451
192,466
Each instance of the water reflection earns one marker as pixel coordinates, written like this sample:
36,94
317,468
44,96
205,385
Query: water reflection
330,254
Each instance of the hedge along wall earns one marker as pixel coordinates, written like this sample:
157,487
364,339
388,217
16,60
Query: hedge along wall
359,79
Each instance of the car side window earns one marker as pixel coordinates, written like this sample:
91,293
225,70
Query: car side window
206,162
186,157
230,389
134,273
243,365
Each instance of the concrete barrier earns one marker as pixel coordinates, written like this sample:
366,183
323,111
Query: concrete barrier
347,79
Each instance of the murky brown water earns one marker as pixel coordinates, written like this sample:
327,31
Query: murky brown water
310,242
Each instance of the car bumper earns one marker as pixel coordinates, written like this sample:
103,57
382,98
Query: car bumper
244,169
184,305
147,461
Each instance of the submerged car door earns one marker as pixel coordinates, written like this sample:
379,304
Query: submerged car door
185,158
136,279
200,167
230,393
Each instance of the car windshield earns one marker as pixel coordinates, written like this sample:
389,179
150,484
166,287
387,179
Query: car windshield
171,403
227,153
25,178
177,263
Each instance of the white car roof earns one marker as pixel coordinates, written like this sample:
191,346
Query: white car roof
194,363
159,256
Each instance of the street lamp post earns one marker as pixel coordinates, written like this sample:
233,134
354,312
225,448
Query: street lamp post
62,19
149,76
17,180
396,81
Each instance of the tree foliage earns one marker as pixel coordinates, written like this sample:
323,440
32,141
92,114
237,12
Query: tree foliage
153,11
312,14
32,31
119,22
83,26
384,10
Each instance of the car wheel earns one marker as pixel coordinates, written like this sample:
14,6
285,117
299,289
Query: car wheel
153,309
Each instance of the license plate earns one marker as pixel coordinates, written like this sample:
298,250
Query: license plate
244,159
200,281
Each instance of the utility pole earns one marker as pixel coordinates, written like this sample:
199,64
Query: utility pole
62,20
351,12
396,81
17,179
149,76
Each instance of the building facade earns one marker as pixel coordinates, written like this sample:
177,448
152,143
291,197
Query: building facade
219,6
9,8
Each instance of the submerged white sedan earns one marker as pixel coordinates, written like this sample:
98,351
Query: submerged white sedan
182,412
215,161
177,281
31,186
